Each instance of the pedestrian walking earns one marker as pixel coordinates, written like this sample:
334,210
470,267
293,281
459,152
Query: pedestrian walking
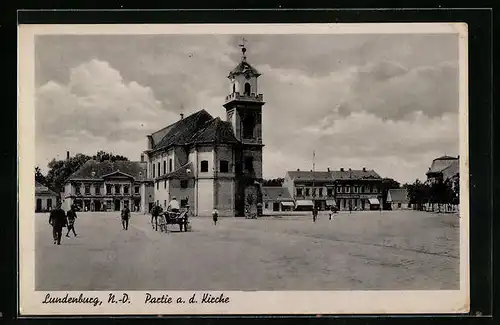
350,208
155,212
71,216
125,217
330,213
57,220
315,214
215,216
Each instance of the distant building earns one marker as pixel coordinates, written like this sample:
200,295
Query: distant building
444,168
277,199
310,188
109,186
45,198
355,189
398,198
208,162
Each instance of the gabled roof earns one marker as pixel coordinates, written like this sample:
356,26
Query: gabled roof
276,193
180,173
397,195
452,170
181,131
354,174
441,163
332,175
215,131
43,190
242,68
310,175
199,127
95,170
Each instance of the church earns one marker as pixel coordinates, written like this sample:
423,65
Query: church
207,162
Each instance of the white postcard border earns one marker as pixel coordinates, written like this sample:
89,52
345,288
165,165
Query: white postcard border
240,302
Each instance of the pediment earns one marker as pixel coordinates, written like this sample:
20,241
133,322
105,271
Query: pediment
117,175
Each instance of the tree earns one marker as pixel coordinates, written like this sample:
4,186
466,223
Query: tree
60,170
418,193
103,156
39,177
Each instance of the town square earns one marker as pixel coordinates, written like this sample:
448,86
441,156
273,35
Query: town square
370,250
255,163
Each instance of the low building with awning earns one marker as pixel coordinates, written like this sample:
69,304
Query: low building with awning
276,199
374,203
304,205
331,203
344,189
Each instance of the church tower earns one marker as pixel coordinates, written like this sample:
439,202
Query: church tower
244,111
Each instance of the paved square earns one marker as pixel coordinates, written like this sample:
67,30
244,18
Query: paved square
401,250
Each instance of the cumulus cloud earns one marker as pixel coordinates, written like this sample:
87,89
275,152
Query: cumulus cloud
381,102
96,107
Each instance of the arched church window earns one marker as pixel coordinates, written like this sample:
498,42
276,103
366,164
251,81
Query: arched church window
248,126
234,88
247,89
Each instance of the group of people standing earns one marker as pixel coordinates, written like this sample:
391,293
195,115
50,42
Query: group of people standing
331,213
59,219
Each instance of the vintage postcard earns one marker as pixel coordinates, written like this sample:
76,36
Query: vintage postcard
243,169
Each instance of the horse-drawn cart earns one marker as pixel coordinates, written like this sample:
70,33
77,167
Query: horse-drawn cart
180,218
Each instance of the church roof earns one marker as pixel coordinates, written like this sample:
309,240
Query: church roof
215,131
197,128
95,170
181,131
243,67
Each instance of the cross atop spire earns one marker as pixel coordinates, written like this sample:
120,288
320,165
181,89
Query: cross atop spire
243,49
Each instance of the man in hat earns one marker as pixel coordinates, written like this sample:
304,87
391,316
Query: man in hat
173,206
125,217
57,220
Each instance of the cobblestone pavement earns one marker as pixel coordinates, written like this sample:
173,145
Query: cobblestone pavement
369,250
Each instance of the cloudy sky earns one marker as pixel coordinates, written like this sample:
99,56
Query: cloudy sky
384,102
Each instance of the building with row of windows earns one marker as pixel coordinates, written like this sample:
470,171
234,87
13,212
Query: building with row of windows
45,198
343,189
109,186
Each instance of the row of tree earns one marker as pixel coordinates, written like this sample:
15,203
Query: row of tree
440,192
60,170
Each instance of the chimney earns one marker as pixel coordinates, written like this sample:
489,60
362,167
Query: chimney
328,169
142,157
298,169
342,169
350,169
149,142
67,155
364,169
182,115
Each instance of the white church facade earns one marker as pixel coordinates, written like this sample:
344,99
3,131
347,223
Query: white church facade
208,162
